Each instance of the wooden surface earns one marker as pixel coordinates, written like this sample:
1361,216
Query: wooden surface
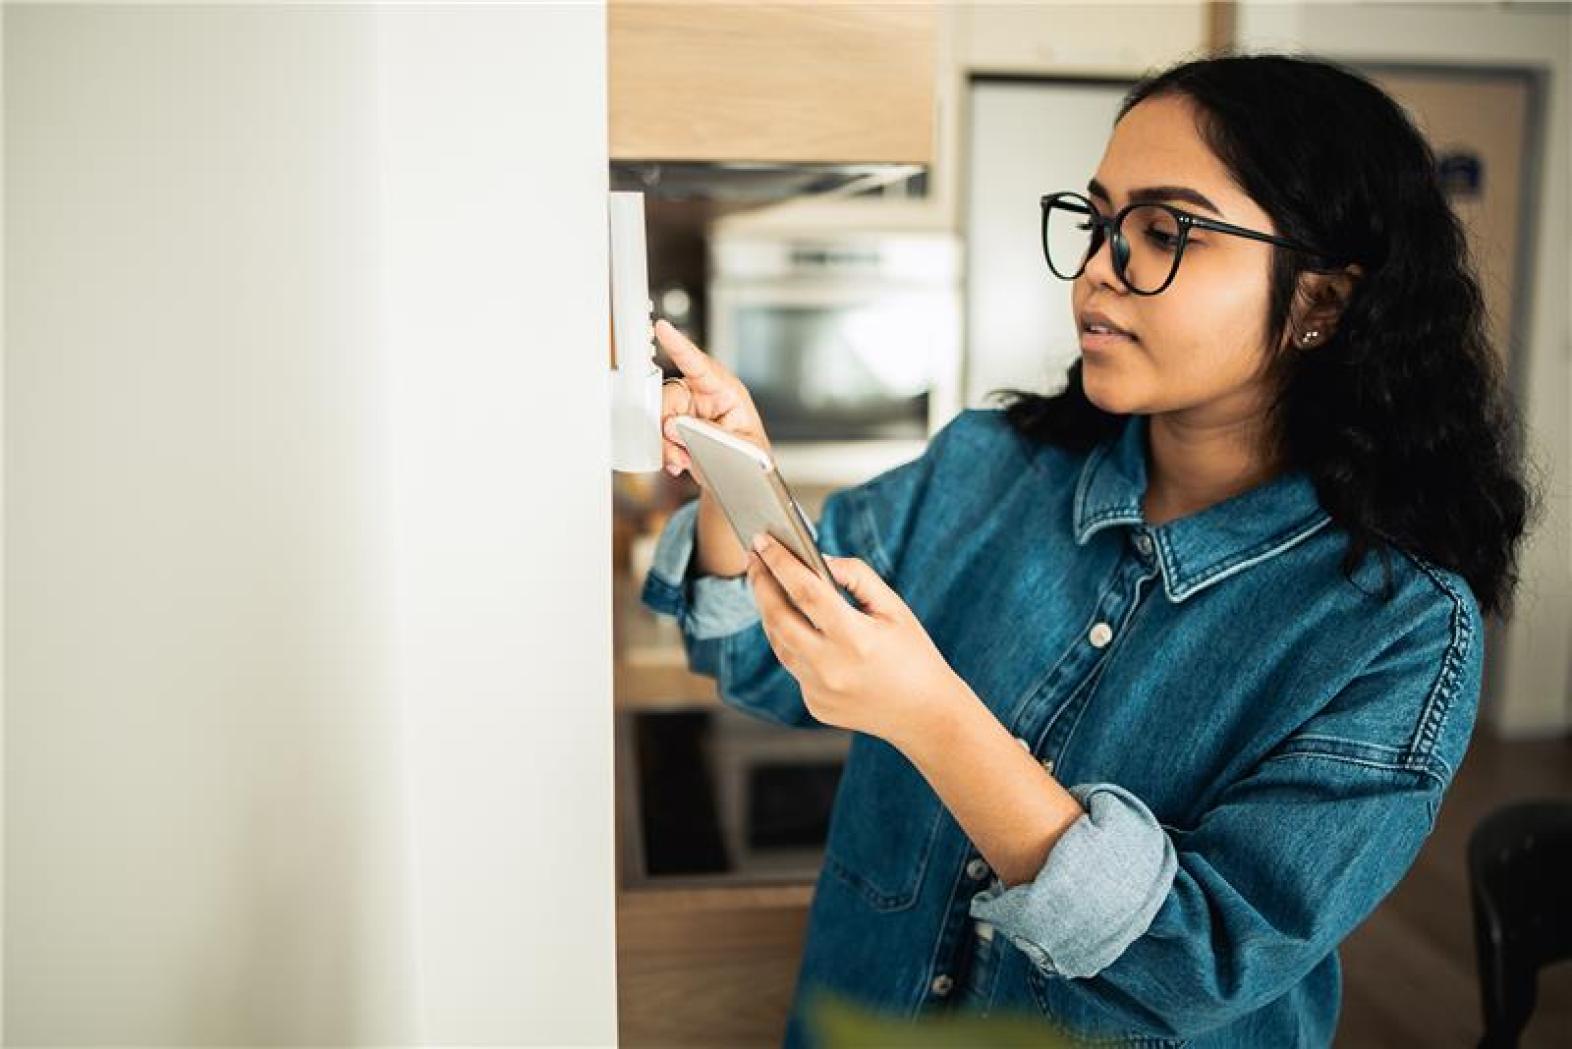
795,82
707,967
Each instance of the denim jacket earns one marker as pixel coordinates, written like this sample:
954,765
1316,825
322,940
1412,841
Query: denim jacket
1260,744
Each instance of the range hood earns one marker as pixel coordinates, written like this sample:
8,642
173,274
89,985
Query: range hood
760,183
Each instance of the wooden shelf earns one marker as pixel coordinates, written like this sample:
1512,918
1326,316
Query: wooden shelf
688,900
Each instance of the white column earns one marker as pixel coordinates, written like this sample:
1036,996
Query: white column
307,596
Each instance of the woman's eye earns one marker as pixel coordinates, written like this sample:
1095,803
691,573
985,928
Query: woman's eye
1166,241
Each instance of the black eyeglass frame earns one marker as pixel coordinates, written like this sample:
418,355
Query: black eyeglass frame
1109,228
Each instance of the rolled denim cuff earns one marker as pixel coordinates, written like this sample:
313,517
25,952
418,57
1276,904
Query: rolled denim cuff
1098,891
705,606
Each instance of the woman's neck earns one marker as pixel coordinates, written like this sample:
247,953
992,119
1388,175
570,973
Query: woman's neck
1190,466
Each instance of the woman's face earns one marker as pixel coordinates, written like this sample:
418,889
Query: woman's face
1199,345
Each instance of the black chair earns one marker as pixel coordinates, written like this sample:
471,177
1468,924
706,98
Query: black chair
1520,884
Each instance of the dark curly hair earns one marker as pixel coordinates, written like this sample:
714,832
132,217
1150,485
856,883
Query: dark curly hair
1402,418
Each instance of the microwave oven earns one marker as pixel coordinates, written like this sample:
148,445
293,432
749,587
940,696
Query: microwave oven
849,342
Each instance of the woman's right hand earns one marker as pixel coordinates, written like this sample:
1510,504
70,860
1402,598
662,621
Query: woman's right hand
713,394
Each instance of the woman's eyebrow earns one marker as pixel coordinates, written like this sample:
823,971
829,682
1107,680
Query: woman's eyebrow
1158,193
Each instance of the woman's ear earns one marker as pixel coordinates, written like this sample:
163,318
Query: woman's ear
1328,294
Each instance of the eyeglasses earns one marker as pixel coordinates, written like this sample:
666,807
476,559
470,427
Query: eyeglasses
1073,231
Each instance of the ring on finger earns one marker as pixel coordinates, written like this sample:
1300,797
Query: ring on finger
681,381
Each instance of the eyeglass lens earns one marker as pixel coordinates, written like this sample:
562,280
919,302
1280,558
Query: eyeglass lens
1149,232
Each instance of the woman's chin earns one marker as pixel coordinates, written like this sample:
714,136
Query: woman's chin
1107,392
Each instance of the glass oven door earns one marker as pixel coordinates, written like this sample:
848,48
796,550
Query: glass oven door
835,360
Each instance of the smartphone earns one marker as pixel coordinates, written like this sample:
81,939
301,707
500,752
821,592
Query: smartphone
745,481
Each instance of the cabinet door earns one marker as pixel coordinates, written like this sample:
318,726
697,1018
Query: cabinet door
802,83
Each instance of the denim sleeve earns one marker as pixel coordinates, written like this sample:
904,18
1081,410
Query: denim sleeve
1170,932
722,632
706,606
1098,890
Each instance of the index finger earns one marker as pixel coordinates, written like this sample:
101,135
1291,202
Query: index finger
783,620
814,598
696,365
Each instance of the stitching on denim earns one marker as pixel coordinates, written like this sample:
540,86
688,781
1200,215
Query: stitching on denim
1310,526
933,955
1349,759
1111,513
1438,703
1107,657
885,901
1084,483
1120,511
1069,650
1037,686
1322,737
1254,555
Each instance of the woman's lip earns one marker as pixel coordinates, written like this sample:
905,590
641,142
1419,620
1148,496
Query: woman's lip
1103,340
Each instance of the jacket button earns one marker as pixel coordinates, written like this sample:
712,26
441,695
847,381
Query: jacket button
1101,634
942,983
1143,543
977,869
1048,765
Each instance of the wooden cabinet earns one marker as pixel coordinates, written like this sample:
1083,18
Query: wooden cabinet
708,966
1087,39
698,965
796,83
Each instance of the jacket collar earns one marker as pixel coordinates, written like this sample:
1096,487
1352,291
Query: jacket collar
1202,548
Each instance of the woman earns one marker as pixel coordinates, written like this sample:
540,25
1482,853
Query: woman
1157,683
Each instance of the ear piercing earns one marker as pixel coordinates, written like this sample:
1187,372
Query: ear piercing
1307,336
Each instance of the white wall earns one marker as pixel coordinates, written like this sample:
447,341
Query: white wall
307,603
1024,139
1530,686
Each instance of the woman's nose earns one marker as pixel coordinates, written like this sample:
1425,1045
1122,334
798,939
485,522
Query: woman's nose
1100,264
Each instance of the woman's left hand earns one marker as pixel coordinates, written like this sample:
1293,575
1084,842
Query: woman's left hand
876,670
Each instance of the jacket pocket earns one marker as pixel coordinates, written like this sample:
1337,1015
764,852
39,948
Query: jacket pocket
883,827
